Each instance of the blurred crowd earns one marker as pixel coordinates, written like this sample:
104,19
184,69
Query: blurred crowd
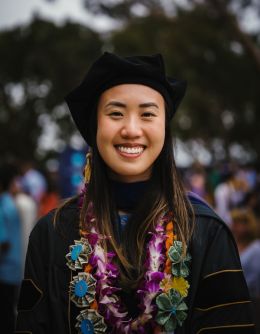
234,192
27,193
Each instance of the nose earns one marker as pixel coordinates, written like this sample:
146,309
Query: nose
131,128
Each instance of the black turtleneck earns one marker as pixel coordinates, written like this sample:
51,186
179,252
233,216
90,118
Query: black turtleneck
127,196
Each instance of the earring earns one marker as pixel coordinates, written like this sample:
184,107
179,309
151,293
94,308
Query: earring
87,170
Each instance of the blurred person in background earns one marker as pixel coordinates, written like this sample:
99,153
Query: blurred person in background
32,180
248,173
28,213
197,182
50,198
244,228
10,249
213,178
229,194
252,201
245,231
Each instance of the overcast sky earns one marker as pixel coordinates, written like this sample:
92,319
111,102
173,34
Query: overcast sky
16,12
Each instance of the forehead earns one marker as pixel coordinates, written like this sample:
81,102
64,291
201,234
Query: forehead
132,92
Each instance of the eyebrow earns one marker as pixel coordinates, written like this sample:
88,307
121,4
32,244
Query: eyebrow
123,105
115,104
148,104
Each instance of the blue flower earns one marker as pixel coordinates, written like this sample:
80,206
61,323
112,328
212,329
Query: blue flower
79,254
90,322
83,289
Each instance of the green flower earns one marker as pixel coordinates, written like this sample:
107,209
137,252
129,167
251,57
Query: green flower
171,310
179,266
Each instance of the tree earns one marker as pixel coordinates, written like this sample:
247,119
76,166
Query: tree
222,99
203,43
126,10
39,64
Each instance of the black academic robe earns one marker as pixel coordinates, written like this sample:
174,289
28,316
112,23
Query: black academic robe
218,299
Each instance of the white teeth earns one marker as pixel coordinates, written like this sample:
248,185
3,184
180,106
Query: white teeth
131,150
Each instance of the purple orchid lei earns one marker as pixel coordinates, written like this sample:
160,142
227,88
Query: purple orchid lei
161,291
106,273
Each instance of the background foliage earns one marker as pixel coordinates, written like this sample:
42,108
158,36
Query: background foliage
202,42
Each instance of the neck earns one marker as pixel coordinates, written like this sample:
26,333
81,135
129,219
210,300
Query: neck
128,195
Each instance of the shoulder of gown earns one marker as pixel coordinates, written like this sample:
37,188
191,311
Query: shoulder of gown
218,301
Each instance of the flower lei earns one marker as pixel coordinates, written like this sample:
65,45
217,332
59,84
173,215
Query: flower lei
162,292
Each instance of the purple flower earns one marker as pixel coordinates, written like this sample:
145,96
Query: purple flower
93,260
153,283
152,286
112,270
156,276
92,238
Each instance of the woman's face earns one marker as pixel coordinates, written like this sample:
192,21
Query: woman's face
240,229
130,130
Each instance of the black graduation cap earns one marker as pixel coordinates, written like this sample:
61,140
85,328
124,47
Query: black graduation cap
110,70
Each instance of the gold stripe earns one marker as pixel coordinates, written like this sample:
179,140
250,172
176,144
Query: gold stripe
41,292
221,305
229,326
223,271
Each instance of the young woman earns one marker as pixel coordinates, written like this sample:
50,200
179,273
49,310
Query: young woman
134,253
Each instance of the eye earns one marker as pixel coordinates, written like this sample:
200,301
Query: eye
148,114
116,114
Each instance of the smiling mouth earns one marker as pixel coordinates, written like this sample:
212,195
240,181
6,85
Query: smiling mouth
131,150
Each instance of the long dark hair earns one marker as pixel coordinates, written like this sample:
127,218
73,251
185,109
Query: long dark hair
166,192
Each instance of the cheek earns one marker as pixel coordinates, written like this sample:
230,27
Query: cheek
106,133
103,130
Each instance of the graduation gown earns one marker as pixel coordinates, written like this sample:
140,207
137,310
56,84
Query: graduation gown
218,300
